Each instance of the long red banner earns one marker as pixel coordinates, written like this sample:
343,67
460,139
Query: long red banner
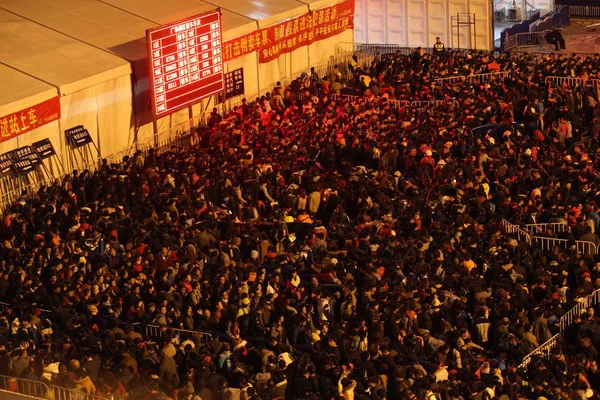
26,120
290,35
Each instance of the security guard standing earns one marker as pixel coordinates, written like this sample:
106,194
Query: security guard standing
438,47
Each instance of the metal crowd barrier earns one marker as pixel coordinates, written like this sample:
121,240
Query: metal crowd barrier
556,227
24,386
581,246
548,243
155,332
515,229
567,319
543,350
588,301
347,97
565,80
401,103
587,12
595,83
60,393
487,77
524,39
451,80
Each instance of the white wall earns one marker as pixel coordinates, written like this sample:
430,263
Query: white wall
415,23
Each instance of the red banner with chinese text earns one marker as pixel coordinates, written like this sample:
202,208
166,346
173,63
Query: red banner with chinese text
26,120
290,35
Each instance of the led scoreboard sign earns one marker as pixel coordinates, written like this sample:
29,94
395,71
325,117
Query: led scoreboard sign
185,62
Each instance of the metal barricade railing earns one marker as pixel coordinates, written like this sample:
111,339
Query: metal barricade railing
547,243
556,227
155,332
581,246
451,80
510,42
60,393
567,319
400,103
595,83
524,39
41,390
347,97
24,386
591,11
505,225
568,81
584,247
487,77
509,228
543,350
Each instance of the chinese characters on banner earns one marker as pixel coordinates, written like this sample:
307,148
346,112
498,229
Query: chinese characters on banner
26,120
290,35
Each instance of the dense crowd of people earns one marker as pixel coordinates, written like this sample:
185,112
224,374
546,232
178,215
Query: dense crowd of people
333,247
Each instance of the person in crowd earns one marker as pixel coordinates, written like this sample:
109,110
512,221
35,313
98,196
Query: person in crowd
555,38
304,246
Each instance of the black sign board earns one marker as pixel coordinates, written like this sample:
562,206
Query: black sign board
44,148
6,164
234,84
23,166
78,136
26,153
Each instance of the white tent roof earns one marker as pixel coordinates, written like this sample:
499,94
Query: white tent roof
19,91
317,4
163,12
54,58
89,21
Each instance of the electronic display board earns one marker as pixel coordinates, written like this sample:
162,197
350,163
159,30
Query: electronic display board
186,62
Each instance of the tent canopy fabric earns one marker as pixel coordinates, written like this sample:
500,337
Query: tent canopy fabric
164,12
316,4
19,90
92,22
53,57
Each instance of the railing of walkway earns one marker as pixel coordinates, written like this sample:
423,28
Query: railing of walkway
567,319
